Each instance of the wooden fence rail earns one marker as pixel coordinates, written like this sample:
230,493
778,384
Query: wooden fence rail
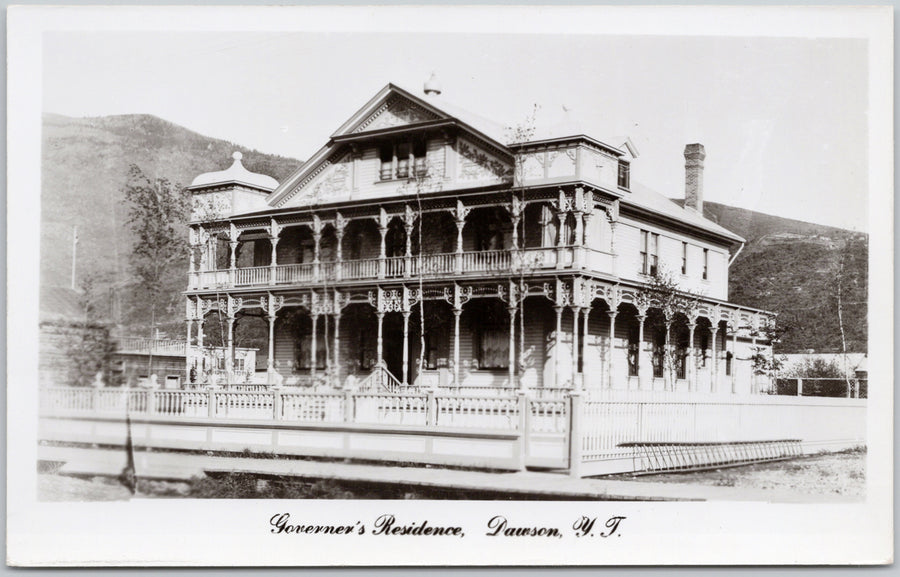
590,434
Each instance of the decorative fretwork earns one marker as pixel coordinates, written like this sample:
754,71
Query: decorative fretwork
458,296
334,183
396,111
559,293
477,164
271,304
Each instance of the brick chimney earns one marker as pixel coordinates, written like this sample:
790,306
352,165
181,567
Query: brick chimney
694,154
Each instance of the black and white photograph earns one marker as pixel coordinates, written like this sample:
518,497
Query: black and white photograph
450,286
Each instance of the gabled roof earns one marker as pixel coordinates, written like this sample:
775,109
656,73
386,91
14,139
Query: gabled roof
440,113
488,130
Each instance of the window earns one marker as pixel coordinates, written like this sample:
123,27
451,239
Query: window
367,352
649,253
659,348
402,160
684,249
493,348
624,174
705,264
302,350
704,348
681,358
634,358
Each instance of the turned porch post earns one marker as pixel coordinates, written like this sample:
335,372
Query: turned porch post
380,341
232,266
457,311
187,349
340,223
337,345
611,365
460,225
408,225
317,246
576,312
229,361
512,342
557,347
714,369
641,365
274,231
314,318
734,360
585,369
668,381
406,314
691,367
270,361
382,252
578,248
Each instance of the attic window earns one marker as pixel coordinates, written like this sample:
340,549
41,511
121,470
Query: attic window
402,160
624,174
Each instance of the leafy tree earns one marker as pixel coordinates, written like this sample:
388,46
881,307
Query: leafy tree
89,346
157,215
669,308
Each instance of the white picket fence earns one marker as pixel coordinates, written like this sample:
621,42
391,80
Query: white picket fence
596,428
608,419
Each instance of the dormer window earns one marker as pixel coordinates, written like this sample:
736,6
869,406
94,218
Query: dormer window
402,160
624,174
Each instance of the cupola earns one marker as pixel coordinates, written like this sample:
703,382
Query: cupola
228,192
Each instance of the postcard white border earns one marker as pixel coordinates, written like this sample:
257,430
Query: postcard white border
188,532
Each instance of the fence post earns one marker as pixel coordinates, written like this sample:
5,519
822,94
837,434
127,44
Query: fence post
151,402
211,402
575,409
430,410
348,407
276,403
95,399
524,428
799,387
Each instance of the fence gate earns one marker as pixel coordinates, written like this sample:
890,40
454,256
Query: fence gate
546,434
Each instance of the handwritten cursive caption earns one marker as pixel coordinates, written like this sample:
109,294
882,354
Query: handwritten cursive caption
496,526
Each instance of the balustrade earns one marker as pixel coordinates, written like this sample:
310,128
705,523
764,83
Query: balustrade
427,265
256,275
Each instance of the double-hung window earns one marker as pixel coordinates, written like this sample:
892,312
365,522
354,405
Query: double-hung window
624,179
649,253
402,160
705,264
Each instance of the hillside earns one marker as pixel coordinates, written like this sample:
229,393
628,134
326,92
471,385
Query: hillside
788,266
84,167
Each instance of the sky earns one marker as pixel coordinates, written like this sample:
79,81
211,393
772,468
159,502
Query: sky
783,120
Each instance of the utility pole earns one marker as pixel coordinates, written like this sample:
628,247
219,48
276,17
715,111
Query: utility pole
74,252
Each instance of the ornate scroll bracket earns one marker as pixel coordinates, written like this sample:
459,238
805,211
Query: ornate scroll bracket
458,297
271,304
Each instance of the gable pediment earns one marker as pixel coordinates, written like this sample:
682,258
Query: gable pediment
394,111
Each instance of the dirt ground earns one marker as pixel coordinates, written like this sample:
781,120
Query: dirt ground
841,474
828,474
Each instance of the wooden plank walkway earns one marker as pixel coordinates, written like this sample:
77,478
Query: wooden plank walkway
181,466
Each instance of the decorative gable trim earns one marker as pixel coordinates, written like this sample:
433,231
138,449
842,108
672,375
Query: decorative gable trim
403,111
334,159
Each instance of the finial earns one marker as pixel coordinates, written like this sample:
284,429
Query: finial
237,155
